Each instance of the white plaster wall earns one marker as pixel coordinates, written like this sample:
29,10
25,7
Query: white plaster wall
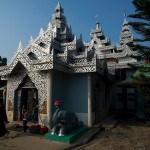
10,116
43,120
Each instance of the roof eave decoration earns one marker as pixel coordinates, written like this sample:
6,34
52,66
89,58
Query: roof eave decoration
28,64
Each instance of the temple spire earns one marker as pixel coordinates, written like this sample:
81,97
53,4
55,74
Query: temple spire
58,8
126,35
97,32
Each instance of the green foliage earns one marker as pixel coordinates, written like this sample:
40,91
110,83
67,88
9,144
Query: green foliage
3,61
141,24
134,67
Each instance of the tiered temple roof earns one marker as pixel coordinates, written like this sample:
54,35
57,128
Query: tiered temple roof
117,56
58,48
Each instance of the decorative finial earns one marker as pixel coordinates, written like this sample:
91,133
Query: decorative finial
125,20
31,39
125,15
20,48
41,32
97,25
58,8
97,22
49,25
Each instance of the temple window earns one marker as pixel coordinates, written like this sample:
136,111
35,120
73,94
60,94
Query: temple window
43,45
58,51
32,56
95,42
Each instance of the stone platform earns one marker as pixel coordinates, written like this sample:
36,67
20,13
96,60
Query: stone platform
69,138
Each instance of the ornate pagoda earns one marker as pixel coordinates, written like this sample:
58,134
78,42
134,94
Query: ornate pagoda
58,65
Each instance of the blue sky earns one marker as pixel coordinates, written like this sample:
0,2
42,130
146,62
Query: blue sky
19,19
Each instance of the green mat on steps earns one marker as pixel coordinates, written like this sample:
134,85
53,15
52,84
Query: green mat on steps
69,138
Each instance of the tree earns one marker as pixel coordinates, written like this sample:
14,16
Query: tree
141,25
3,61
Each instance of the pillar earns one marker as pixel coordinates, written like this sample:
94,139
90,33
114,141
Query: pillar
49,97
89,101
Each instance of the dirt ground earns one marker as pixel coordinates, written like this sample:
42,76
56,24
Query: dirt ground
24,141
127,135
18,140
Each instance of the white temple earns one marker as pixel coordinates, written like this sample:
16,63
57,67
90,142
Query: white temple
57,65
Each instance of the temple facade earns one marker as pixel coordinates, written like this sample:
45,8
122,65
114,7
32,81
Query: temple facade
58,66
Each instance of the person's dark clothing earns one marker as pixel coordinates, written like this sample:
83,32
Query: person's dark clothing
25,118
25,125
3,129
3,119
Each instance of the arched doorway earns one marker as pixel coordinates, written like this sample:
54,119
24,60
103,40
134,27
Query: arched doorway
26,95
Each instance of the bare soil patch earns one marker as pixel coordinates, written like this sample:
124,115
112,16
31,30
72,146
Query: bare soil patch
127,135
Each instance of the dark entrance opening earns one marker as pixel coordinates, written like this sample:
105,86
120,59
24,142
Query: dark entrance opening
27,97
